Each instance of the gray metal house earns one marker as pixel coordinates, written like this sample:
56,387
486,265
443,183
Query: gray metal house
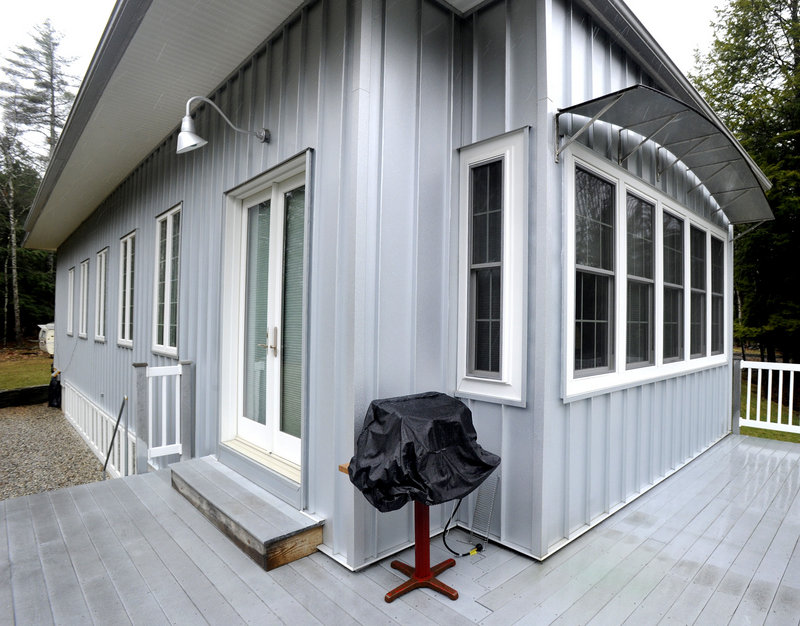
522,203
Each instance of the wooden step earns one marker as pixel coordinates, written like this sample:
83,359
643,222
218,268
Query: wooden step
265,528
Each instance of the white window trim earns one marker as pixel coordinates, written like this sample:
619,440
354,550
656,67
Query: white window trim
164,348
578,387
509,387
71,301
125,287
83,302
101,295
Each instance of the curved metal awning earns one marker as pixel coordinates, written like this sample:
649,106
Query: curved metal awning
705,146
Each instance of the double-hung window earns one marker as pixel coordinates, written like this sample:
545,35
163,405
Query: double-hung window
595,200
486,268
100,296
127,254
717,296
165,314
492,262
673,287
70,301
697,261
83,311
641,282
645,281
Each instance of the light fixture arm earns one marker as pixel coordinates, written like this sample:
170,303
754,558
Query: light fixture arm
262,135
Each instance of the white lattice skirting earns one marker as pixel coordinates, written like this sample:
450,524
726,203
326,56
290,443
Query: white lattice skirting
96,428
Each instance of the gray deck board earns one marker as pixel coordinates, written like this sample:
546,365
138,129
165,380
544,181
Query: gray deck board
137,598
100,593
63,588
161,582
30,606
279,514
241,499
6,597
319,605
421,601
371,592
220,575
716,543
272,594
202,592
352,603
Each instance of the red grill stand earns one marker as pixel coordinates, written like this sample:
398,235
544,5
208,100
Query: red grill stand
422,574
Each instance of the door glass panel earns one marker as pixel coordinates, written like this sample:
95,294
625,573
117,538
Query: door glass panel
256,330
292,339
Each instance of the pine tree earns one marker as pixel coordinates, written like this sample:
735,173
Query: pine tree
751,77
18,181
35,98
36,75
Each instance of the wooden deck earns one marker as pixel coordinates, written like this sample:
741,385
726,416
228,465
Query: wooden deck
716,543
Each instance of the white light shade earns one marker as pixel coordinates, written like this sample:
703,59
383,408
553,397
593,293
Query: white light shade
188,140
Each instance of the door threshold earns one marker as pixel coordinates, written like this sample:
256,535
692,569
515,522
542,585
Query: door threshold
259,455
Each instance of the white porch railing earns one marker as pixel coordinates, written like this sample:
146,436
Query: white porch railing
164,412
760,407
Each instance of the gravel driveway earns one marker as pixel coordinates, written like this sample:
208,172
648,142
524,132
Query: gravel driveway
40,451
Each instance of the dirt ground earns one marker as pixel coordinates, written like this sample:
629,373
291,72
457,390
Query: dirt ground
28,351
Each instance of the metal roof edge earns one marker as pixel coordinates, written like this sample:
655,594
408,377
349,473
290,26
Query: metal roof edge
644,45
640,104
125,19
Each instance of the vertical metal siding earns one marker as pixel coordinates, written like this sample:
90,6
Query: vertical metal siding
600,452
406,292
297,79
385,92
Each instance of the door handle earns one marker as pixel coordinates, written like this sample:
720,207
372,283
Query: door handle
274,345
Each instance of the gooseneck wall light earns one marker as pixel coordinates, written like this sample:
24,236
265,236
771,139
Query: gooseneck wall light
189,140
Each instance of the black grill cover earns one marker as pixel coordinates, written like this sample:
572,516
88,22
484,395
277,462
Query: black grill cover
421,447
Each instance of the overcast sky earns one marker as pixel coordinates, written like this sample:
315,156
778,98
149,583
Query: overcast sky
80,22
679,26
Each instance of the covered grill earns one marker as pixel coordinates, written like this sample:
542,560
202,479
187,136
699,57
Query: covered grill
422,448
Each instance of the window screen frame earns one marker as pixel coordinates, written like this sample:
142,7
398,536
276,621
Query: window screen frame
71,301
166,300
637,277
674,287
492,267
505,386
101,295
83,300
127,290
606,271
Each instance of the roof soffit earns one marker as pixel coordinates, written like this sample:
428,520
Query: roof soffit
149,62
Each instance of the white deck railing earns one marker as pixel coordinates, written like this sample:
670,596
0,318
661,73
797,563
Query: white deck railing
759,409
164,411
164,407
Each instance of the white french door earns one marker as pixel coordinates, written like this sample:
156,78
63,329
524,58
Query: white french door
271,312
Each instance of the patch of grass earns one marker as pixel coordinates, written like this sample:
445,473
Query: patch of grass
769,434
28,372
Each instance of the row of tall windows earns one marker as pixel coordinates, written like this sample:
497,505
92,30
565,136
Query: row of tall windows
165,312
613,223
